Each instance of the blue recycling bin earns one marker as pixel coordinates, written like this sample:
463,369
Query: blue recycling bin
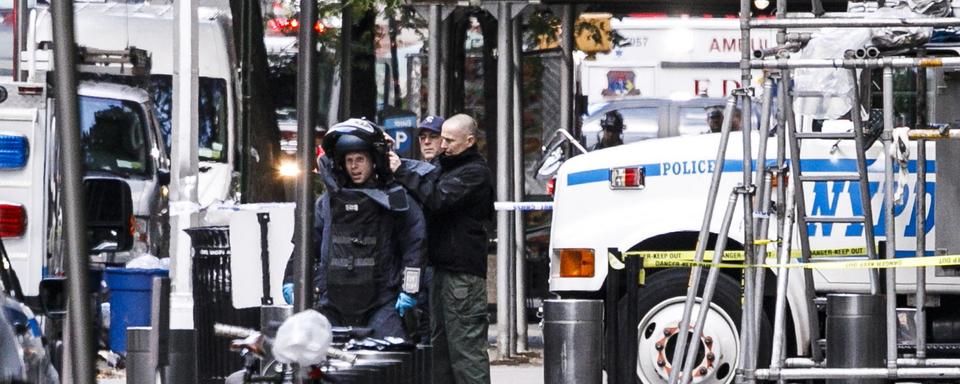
130,294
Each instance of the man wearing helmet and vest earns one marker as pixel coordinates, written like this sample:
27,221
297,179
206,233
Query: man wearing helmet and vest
612,134
369,234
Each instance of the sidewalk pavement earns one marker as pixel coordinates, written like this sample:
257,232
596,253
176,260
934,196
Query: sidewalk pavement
526,368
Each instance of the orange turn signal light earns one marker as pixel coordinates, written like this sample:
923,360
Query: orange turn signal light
576,262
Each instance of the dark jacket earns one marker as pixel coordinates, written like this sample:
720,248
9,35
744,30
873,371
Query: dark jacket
458,199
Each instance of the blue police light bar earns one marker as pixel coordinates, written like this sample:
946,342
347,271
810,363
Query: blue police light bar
13,151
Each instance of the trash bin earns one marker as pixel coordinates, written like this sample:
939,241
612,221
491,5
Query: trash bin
130,295
572,325
212,303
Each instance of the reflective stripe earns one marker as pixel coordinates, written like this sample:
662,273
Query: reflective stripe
340,239
343,262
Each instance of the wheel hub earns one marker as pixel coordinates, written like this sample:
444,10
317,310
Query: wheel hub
658,333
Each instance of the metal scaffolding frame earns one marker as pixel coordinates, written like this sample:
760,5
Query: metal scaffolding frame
779,71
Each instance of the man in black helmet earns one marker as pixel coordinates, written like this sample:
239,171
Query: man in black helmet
612,134
369,234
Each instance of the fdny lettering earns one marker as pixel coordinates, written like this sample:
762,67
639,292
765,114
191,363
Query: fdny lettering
829,196
692,167
351,207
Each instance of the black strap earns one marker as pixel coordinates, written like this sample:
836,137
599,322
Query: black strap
8,276
263,218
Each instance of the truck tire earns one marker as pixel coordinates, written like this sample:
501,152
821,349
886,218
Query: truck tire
660,309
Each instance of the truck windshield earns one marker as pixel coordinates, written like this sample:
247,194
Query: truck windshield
212,132
640,123
113,136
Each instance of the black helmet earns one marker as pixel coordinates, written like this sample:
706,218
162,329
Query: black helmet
350,143
612,120
358,135
358,130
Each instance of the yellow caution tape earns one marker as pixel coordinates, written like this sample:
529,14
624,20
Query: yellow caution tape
738,255
671,260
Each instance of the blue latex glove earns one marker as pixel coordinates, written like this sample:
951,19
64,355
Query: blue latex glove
288,293
404,302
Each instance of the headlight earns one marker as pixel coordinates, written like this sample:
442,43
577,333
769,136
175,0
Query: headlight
289,169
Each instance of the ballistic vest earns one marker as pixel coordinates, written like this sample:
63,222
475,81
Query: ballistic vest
357,234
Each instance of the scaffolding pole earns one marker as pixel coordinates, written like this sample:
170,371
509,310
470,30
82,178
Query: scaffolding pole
433,60
882,62
853,23
505,262
80,348
888,201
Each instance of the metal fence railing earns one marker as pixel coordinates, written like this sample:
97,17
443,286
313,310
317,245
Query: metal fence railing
212,303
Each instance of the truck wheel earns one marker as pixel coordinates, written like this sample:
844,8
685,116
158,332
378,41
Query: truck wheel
660,308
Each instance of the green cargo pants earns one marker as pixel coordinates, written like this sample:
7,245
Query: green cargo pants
458,325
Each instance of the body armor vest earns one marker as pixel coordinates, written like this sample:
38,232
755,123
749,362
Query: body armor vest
356,265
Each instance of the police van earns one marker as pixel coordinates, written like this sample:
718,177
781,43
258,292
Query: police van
120,140
117,26
656,204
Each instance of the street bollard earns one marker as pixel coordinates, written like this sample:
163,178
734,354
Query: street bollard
572,329
855,337
140,368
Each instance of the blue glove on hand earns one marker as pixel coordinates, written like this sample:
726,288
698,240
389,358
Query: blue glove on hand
288,293
404,302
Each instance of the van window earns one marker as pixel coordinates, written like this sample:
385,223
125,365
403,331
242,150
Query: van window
112,136
6,39
692,121
212,133
639,123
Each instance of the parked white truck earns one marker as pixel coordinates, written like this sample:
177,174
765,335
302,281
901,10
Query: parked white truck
596,216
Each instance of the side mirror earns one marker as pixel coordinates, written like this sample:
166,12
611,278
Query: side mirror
110,221
550,163
53,297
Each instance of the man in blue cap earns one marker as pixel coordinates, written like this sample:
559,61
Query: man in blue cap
429,137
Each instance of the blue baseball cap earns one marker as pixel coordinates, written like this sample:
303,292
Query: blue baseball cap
431,123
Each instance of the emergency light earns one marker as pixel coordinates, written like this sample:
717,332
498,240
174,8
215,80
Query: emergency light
13,220
627,178
13,151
